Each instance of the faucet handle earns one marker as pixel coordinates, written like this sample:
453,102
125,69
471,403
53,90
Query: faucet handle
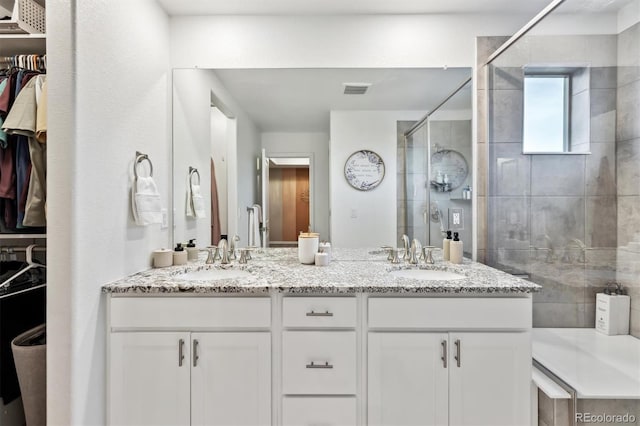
427,254
211,257
243,255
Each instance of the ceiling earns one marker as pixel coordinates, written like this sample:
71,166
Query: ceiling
299,100
340,7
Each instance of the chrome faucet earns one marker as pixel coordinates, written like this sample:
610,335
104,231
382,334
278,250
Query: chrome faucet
405,241
415,250
223,248
232,247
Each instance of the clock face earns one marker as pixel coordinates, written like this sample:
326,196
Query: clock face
364,170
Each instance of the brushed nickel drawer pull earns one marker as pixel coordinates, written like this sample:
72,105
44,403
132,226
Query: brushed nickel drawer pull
180,352
196,357
325,365
444,353
320,314
457,356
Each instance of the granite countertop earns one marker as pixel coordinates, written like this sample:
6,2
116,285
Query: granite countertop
350,271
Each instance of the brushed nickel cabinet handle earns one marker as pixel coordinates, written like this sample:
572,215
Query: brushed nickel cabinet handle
457,356
444,353
180,352
320,314
314,365
196,357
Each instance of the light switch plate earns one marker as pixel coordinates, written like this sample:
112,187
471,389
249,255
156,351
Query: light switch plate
165,219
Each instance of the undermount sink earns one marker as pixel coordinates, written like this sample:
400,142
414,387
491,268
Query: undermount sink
427,274
213,274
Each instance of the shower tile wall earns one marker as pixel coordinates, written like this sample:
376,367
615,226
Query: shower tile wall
628,172
553,217
454,135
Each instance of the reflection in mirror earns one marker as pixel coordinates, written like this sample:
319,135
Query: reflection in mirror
271,114
289,200
437,183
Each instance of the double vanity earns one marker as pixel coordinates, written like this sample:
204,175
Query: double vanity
358,342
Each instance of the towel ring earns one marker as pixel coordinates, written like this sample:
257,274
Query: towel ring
193,171
140,157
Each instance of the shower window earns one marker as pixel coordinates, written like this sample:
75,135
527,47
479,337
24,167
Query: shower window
546,113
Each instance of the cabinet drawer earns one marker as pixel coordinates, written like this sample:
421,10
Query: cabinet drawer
314,411
190,312
319,311
450,313
319,362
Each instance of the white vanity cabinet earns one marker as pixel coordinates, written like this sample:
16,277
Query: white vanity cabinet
200,361
305,360
420,373
319,361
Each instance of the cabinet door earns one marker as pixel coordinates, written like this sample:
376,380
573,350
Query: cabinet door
492,384
149,384
231,379
407,379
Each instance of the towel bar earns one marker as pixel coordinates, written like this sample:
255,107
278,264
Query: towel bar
193,171
140,157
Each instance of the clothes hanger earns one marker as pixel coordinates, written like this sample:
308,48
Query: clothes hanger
30,265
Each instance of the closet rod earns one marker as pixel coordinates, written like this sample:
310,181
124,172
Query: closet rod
20,249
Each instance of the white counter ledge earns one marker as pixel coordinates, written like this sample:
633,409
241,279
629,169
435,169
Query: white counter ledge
595,365
351,271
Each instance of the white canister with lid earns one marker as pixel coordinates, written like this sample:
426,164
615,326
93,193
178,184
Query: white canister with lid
325,247
162,258
308,247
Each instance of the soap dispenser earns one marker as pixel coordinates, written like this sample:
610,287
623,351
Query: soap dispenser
445,246
192,251
179,255
455,250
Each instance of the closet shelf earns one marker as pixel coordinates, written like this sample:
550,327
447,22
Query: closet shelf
19,44
22,236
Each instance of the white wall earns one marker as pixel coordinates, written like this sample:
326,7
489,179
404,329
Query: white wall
359,41
219,144
192,134
309,143
376,220
109,92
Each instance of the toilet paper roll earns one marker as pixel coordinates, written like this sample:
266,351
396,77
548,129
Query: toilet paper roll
162,258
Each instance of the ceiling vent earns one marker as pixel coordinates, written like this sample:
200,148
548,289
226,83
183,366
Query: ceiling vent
356,88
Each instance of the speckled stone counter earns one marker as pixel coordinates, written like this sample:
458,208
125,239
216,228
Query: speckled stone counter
350,271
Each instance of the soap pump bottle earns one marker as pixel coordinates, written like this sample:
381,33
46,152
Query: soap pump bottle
192,251
455,250
446,246
179,255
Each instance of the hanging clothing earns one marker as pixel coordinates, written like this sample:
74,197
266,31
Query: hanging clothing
21,121
41,117
216,230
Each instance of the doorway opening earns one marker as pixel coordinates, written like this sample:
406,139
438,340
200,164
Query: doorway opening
289,200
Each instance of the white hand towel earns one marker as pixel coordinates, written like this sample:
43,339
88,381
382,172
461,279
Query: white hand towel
197,202
255,226
145,200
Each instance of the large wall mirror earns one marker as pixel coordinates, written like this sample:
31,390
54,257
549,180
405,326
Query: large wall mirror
264,149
